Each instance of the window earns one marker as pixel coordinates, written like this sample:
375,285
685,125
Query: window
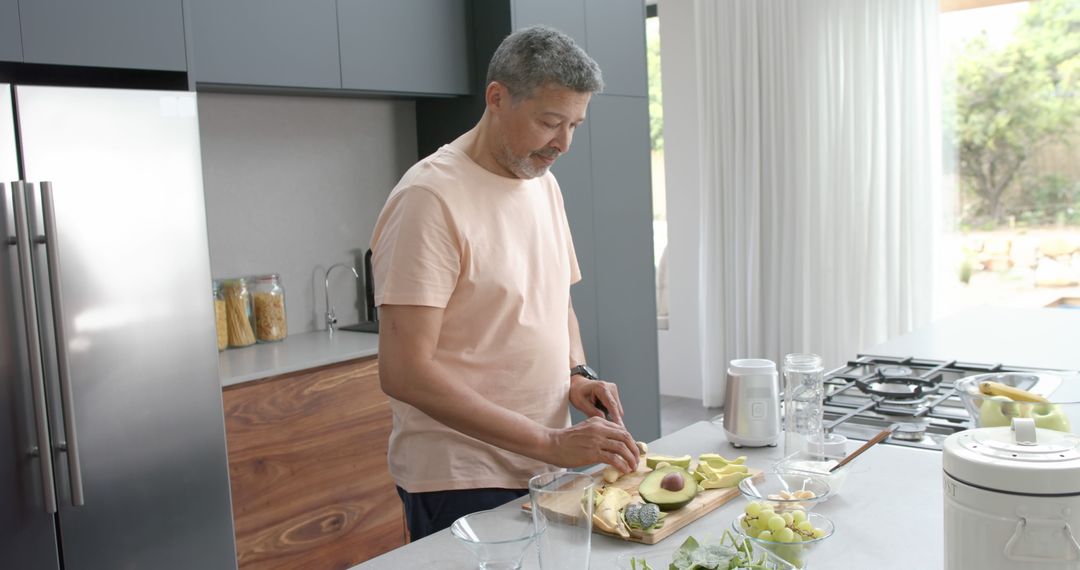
1012,154
656,137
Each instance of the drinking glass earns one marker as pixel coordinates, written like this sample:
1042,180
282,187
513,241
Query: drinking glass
562,505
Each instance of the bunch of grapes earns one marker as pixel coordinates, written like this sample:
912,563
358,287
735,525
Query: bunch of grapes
763,523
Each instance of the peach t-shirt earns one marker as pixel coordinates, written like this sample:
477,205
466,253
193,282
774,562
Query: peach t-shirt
497,255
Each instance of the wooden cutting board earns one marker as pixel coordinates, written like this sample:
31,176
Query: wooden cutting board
704,503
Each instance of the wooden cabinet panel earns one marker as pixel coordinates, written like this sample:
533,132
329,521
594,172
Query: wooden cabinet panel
307,461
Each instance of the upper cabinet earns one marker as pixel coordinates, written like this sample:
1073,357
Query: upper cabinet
405,46
134,34
567,16
616,40
284,43
10,36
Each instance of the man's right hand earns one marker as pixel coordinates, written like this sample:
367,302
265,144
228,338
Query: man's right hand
594,440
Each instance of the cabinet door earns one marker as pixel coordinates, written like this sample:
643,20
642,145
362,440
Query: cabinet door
567,16
616,36
625,277
405,46
133,34
10,37
282,43
307,463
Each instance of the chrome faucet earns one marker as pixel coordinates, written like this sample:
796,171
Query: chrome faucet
331,319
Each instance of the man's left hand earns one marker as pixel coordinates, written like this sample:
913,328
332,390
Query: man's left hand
585,394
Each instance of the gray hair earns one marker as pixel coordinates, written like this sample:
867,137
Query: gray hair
532,57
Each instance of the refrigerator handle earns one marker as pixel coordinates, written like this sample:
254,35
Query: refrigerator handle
71,446
37,375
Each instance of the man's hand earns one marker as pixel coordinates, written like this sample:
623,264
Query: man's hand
586,393
594,440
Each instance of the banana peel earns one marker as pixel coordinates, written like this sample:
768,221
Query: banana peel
607,516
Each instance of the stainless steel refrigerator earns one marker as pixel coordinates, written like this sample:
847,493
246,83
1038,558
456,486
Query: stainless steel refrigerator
112,440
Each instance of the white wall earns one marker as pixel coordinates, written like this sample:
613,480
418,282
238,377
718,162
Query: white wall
294,184
679,346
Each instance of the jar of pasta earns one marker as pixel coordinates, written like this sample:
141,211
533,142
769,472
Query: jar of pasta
238,312
220,318
269,298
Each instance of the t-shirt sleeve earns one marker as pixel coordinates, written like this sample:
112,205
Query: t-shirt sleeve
575,270
416,257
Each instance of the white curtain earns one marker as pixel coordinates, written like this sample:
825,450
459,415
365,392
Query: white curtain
820,151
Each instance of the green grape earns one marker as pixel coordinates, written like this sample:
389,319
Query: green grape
818,533
784,535
753,508
765,535
776,523
798,516
805,526
788,518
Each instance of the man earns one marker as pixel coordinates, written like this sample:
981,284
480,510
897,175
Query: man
479,347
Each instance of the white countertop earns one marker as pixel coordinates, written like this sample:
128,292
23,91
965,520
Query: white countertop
1029,337
888,515
296,352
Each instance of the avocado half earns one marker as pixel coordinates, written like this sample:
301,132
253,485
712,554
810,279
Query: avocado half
651,490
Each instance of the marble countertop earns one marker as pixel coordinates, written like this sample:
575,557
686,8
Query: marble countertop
297,352
890,492
1029,337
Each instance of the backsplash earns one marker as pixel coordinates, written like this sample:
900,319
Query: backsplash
294,184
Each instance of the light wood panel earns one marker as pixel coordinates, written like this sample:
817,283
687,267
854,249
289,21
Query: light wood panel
307,461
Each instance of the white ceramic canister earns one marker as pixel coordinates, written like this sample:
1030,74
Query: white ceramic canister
1012,498
752,403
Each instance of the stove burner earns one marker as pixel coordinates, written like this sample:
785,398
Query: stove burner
910,431
895,371
896,388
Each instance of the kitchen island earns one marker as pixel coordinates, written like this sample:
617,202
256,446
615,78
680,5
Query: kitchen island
888,513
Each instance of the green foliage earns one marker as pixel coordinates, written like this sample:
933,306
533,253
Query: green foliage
656,107
1010,103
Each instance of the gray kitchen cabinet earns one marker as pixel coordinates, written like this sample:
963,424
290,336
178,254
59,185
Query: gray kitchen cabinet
10,35
405,46
573,170
616,40
567,16
623,241
281,43
132,34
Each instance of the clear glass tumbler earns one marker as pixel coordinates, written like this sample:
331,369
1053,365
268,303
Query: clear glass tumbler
562,509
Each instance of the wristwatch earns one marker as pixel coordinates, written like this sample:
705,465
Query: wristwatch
584,370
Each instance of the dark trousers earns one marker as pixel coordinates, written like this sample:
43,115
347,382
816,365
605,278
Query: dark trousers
428,513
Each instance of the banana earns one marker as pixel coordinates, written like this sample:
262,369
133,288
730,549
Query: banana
1011,392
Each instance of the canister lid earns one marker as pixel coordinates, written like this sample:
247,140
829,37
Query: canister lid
751,366
1020,459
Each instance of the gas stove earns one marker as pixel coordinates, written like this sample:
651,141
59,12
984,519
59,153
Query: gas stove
918,397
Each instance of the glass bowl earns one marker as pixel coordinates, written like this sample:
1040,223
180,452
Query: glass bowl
785,490
1061,414
795,553
497,538
818,469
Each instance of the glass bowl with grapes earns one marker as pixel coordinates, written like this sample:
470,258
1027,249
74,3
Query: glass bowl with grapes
791,535
785,490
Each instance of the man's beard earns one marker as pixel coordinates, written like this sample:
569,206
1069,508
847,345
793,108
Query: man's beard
523,166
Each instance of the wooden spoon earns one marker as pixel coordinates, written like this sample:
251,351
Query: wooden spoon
873,441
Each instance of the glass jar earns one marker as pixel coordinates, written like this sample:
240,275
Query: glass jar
269,296
239,312
804,390
220,319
